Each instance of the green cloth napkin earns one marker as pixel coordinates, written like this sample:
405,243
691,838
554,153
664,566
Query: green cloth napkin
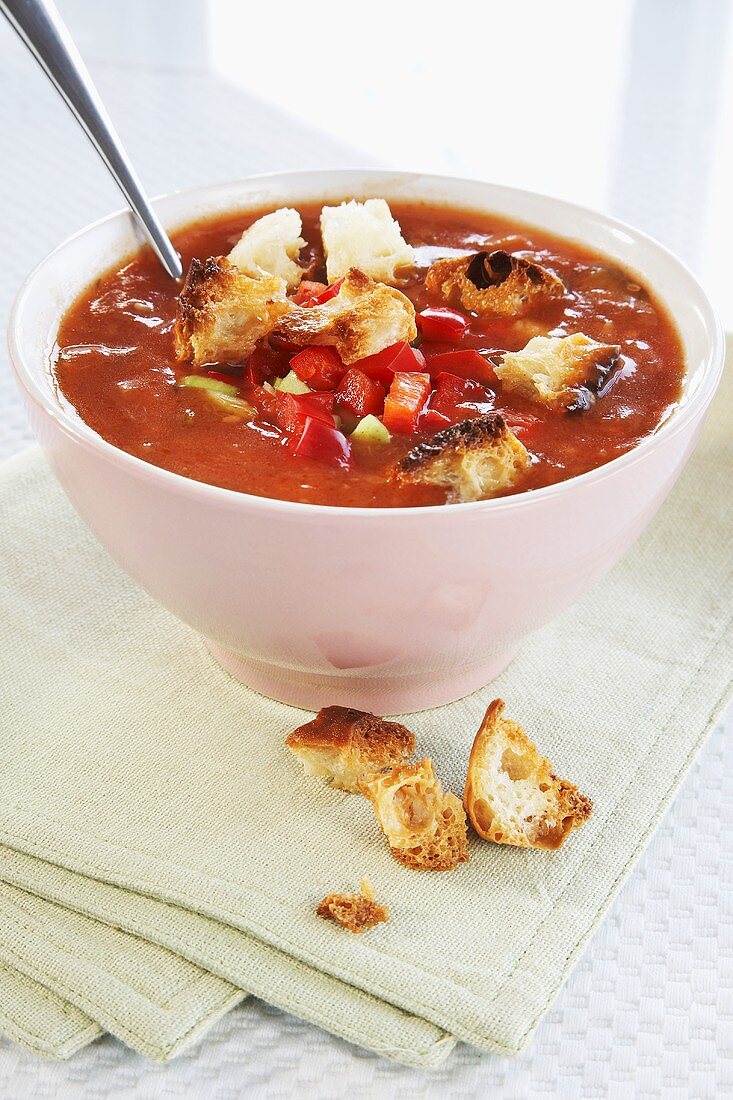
154,1000
41,1020
129,757
231,954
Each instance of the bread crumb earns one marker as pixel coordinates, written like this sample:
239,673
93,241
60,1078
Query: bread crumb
548,367
355,912
512,795
271,246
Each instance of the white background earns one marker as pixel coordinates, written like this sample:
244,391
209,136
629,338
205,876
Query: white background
626,106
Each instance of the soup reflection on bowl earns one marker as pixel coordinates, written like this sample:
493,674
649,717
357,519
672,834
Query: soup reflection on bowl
365,472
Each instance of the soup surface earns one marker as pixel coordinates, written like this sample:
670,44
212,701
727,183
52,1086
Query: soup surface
116,364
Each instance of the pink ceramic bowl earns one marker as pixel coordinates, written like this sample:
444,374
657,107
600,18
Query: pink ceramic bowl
385,609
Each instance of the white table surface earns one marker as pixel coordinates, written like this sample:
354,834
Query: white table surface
204,91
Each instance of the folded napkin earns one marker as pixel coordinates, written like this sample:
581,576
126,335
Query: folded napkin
41,1020
128,757
152,999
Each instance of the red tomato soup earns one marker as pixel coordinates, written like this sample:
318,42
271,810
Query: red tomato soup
116,363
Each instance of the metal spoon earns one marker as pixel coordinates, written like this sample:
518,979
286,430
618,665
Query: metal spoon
41,28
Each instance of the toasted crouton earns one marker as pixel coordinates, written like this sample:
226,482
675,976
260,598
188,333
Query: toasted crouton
493,284
222,313
473,460
548,367
512,795
362,319
271,246
350,746
363,235
355,912
425,826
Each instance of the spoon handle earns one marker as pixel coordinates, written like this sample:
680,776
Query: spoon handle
41,28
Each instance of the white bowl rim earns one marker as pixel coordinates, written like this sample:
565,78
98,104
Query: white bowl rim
82,433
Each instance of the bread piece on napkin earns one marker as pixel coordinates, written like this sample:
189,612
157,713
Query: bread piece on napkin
473,460
512,795
355,912
424,825
493,284
222,313
349,746
362,319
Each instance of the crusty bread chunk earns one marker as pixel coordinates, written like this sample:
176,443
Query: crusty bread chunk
363,318
271,246
222,313
512,795
424,825
549,366
349,746
473,460
363,235
493,284
355,912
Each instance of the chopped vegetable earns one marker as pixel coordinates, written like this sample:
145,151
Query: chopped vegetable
405,400
235,406
291,384
307,291
292,410
468,364
458,399
204,382
326,295
438,323
264,363
320,441
360,394
371,430
321,368
220,376
385,364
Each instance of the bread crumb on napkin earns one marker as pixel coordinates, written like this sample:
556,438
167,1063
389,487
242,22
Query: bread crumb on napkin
424,825
348,747
355,912
512,795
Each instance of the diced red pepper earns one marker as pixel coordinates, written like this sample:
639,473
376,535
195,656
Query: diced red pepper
439,323
360,394
264,364
405,400
320,441
327,294
397,358
319,368
307,291
467,364
458,398
433,421
220,376
293,409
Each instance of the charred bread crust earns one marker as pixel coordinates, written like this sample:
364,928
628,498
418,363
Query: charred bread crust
559,369
362,319
355,912
350,746
222,313
474,460
425,827
493,284
512,794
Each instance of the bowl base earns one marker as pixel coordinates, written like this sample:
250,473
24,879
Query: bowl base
380,695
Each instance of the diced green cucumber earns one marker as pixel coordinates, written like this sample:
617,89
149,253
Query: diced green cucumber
291,384
235,406
370,430
203,382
